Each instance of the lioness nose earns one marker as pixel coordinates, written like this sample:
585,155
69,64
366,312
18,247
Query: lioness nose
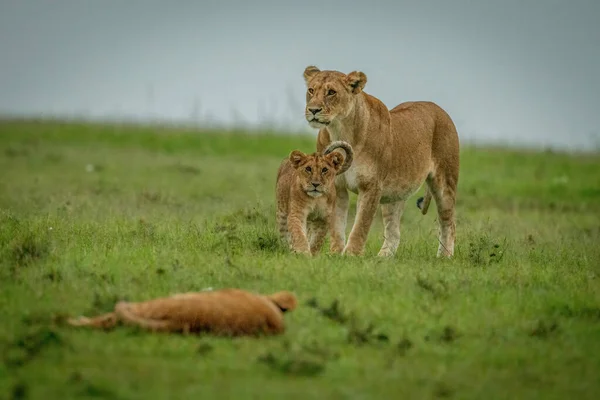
314,110
316,184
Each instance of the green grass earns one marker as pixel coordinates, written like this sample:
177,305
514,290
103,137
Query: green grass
90,214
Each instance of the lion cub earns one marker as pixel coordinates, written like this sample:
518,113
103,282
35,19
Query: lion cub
306,196
228,312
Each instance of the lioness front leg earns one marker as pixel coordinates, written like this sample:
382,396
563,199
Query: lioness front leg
297,229
367,203
339,220
391,214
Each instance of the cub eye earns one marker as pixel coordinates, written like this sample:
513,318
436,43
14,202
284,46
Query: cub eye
308,169
311,91
330,92
324,170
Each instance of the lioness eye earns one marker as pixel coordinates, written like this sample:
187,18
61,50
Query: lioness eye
308,169
330,92
311,90
325,170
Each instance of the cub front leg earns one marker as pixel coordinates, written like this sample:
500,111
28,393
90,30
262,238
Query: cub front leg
318,234
297,228
367,203
284,233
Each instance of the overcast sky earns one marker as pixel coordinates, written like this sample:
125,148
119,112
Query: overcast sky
518,71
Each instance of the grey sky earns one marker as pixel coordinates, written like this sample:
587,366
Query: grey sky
518,71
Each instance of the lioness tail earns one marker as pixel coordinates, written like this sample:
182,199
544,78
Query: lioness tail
340,144
423,202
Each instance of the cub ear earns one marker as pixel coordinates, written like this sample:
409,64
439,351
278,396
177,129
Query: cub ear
296,158
337,159
356,81
310,72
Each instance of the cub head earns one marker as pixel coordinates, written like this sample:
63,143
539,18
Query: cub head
315,173
286,301
330,94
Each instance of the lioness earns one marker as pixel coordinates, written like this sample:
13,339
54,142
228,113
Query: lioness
395,152
229,312
306,197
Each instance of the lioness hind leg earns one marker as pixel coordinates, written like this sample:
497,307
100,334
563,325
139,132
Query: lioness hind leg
127,314
106,321
391,213
444,193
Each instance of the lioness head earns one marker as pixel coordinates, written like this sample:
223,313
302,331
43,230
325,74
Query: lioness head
315,172
330,94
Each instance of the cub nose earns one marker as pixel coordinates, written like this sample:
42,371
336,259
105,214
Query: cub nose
316,184
314,111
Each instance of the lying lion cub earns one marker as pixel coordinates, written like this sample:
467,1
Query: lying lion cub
229,312
306,196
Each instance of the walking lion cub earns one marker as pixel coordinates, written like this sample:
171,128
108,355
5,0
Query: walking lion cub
306,196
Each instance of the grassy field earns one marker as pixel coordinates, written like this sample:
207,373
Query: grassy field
90,214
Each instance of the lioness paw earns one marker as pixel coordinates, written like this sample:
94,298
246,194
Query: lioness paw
386,252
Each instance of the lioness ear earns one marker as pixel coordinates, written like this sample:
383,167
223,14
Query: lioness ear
356,81
337,159
309,72
296,158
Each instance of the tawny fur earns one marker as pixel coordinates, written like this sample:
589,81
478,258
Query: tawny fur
395,151
305,192
228,312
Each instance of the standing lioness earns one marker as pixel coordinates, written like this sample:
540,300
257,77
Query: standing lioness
395,151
